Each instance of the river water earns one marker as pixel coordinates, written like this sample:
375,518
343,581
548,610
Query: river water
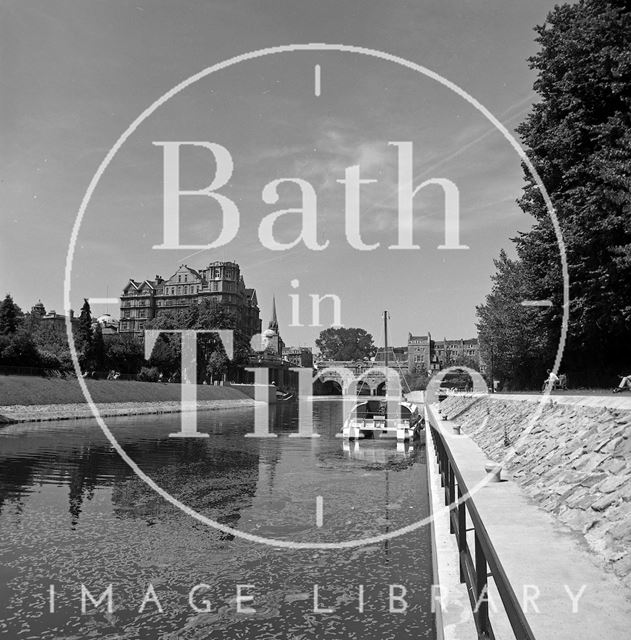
72,513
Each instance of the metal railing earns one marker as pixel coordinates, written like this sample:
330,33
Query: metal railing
476,565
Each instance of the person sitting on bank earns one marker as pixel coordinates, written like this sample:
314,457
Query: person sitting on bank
625,384
551,381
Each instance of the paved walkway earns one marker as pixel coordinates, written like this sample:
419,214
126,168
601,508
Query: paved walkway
610,401
541,558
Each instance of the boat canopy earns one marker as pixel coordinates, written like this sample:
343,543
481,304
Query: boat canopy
371,409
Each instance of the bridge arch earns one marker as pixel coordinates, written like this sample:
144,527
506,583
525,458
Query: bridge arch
431,393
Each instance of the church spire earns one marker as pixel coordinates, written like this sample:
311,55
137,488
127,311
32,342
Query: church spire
273,323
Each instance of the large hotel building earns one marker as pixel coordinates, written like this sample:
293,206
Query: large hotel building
220,282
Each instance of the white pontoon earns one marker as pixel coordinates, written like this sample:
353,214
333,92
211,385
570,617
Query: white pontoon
370,419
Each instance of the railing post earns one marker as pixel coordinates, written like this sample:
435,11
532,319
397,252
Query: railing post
442,459
481,588
462,533
451,496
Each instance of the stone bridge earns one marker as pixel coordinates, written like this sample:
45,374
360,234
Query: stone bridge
356,378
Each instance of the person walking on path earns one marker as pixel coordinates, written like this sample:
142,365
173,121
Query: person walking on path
625,384
551,381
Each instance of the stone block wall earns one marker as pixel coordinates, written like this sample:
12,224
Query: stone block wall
575,463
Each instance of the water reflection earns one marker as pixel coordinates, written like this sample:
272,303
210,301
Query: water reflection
72,512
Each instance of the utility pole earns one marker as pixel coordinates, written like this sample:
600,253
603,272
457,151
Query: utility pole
385,332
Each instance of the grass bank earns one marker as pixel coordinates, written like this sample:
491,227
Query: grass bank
31,390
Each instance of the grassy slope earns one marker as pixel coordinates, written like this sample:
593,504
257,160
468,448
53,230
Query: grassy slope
30,390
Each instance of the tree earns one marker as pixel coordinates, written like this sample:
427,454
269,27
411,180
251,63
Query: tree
98,347
416,380
18,349
578,137
84,335
124,353
513,339
48,337
212,361
9,313
346,343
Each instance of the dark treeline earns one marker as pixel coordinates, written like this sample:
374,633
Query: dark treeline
578,137
27,341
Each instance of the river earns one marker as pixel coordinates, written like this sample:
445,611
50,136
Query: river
72,513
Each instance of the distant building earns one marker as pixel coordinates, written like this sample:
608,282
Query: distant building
299,356
397,358
220,282
50,318
423,353
109,325
272,356
272,341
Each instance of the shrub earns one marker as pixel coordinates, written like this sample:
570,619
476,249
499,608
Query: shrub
49,360
149,374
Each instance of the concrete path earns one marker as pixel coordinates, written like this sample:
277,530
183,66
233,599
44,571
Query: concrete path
544,562
612,401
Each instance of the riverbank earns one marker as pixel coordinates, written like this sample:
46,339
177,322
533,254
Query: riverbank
27,399
575,463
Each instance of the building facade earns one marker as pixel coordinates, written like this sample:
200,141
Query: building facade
423,353
299,356
51,318
397,359
220,282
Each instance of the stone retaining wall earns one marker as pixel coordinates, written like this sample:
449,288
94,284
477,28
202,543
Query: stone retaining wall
575,463
45,412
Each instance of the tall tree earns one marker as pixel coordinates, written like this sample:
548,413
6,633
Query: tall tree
84,336
98,347
84,326
346,343
9,313
514,341
578,137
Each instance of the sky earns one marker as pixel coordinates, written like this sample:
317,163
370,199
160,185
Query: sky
76,73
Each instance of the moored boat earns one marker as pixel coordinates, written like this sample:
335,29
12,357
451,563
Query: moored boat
370,419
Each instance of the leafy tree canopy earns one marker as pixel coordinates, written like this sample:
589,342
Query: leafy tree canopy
346,343
578,137
9,314
212,361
